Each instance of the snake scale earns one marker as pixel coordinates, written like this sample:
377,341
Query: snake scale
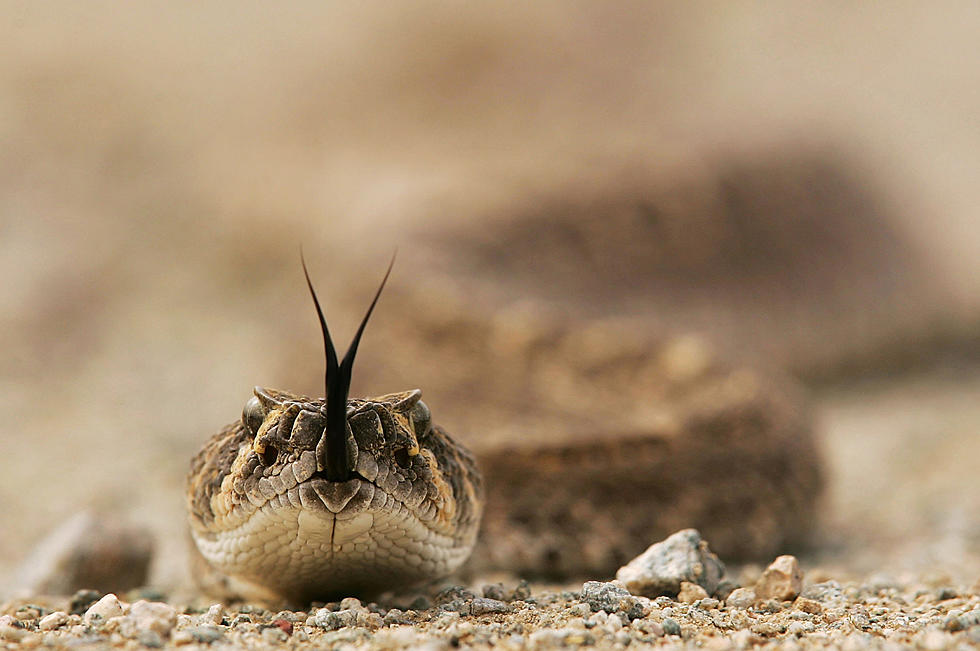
306,499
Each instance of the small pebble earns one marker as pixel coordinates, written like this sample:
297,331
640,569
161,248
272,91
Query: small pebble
394,617
155,616
103,609
206,634
741,598
782,580
284,625
214,616
150,639
671,627
12,633
485,606
332,621
603,596
522,592
691,592
632,607
274,635
828,593
808,605
495,591
57,619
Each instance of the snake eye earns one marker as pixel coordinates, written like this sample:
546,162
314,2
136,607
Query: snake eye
252,415
421,419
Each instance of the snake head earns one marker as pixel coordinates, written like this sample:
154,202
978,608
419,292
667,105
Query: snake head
307,498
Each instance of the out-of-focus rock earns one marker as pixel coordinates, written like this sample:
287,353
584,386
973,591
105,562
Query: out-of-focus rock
662,568
149,615
782,580
87,551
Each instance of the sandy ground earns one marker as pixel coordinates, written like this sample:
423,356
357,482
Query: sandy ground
161,165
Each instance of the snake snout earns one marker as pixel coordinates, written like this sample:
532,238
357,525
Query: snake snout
336,454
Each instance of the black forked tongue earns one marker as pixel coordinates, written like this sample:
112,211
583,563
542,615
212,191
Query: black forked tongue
337,380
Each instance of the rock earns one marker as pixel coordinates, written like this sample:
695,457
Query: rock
782,580
274,635
215,615
12,633
106,607
808,605
828,593
284,625
87,551
603,596
495,591
690,592
486,606
332,621
521,592
632,607
53,621
671,627
741,598
152,616
395,617
453,593
660,570
204,634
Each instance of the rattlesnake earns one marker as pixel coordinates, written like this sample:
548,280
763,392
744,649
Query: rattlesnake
304,499
599,434
282,508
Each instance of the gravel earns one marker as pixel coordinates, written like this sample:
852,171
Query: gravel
830,614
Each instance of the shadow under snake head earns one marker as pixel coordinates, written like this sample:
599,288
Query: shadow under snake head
318,498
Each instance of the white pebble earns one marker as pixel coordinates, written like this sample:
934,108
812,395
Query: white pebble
106,607
153,616
215,615
55,620
741,598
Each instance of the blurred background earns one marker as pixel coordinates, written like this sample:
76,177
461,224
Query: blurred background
794,183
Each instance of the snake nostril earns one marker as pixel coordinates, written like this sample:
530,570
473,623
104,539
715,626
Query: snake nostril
269,455
403,458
